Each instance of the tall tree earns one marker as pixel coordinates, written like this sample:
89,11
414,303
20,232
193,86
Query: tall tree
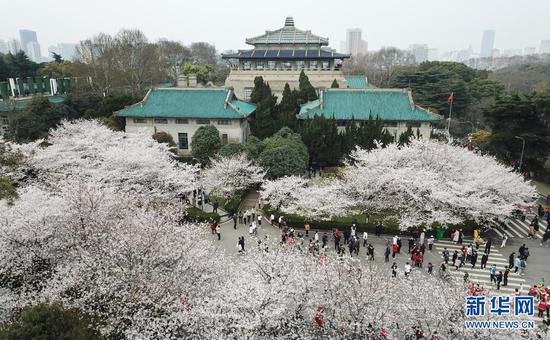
265,121
517,115
322,140
288,108
307,91
172,55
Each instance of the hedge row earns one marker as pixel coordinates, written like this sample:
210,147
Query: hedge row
196,215
390,227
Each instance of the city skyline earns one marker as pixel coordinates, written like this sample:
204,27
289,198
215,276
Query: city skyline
227,27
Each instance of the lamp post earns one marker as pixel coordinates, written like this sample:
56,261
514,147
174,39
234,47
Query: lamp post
522,149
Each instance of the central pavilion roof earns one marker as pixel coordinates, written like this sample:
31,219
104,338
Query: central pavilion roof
288,35
286,54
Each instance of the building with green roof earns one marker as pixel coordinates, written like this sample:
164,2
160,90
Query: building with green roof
181,111
395,107
279,56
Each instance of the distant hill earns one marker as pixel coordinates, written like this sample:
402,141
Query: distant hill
522,78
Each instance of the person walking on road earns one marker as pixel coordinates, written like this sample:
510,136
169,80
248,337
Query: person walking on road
218,232
493,273
387,253
499,279
484,259
235,221
365,238
511,260
504,240
394,270
430,242
407,269
473,258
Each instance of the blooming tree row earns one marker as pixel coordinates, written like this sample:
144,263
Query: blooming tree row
420,183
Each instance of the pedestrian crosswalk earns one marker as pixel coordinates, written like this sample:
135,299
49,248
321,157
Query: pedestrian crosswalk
482,276
519,228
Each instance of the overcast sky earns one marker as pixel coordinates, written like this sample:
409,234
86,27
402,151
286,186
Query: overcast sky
443,24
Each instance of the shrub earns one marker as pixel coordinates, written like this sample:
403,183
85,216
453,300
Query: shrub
196,215
50,322
205,143
229,150
164,137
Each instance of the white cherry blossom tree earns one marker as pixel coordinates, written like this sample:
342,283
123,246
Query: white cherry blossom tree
227,175
420,183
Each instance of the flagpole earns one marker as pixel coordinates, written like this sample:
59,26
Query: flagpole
450,114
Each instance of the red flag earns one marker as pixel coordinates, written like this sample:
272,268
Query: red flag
450,99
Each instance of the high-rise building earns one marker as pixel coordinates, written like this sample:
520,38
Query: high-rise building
487,44
529,50
27,36
354,44
420,52
544,46
14,46
433,54
67,50
33,51
3,47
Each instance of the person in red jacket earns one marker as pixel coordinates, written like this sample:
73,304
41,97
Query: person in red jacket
533,291
542,308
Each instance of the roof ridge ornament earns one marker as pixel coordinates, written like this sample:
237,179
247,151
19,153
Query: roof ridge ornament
289,22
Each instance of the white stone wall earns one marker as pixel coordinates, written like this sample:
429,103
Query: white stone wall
237,131
241,79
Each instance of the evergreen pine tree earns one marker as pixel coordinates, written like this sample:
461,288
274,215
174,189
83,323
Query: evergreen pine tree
288,108
265,122
405,137
307,91
334,84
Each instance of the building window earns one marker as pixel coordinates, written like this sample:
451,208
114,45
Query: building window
203,121
300,65
161,120
182,121
259,65
325,65
313,64
182,141
287,65
140,120
272,65
247,93
246,65
390,124
224,122
224,138
413,124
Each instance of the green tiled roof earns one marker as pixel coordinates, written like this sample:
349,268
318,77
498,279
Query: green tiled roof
357,82
388,104
20,104
188,103
288,35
